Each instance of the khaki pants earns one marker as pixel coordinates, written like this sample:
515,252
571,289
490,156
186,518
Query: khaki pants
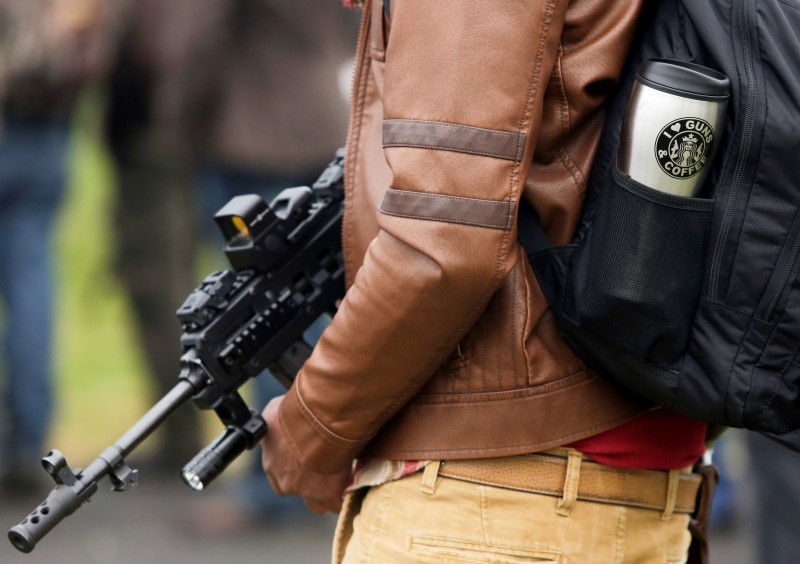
430,518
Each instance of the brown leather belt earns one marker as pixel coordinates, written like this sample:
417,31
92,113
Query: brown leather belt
545,473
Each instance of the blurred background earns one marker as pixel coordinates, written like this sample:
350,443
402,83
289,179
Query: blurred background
125,125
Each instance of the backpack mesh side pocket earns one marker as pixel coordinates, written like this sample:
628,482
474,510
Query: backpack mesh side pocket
637,273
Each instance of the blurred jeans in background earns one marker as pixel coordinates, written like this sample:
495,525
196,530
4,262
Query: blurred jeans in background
33,154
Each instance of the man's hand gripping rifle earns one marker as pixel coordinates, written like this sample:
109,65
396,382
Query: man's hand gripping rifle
287,271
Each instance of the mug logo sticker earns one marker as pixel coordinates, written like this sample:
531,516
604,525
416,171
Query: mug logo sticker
684,146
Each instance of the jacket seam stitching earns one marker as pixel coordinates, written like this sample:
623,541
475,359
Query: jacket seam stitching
452,197
533,86
359,84
325,432
559,439
452,124
455,149
444,220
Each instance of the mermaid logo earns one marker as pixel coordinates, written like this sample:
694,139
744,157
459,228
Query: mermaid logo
684,146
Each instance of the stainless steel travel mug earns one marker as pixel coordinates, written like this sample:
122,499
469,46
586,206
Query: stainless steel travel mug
673,124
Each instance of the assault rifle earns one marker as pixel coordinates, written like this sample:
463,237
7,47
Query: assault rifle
287,271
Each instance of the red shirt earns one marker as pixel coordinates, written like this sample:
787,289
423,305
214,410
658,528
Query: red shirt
659,439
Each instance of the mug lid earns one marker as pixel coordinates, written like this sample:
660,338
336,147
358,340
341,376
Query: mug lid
690,79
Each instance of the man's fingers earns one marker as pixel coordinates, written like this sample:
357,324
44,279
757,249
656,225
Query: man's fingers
288,476
274,485
336,505
317,507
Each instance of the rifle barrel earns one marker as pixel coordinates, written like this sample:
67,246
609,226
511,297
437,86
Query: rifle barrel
72,491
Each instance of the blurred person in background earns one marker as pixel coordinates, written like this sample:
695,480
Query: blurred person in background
757,501
774,471
49,50
726,505
209,101
153,120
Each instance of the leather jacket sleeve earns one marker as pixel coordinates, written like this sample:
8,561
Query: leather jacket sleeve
464,84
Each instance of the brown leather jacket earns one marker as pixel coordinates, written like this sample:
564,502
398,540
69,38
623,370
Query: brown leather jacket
444,346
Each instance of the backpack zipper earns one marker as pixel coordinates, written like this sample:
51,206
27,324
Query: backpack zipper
738,173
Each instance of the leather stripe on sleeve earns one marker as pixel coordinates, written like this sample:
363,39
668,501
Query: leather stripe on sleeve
438,207
453,137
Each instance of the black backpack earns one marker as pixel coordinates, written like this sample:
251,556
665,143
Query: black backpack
716,334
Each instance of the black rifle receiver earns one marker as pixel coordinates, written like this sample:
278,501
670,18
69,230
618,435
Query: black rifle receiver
287,272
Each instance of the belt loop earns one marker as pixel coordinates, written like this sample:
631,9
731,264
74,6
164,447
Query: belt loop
672,494
429,475
571,480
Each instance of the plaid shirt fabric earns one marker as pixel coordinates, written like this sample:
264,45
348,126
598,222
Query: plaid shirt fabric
376,472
